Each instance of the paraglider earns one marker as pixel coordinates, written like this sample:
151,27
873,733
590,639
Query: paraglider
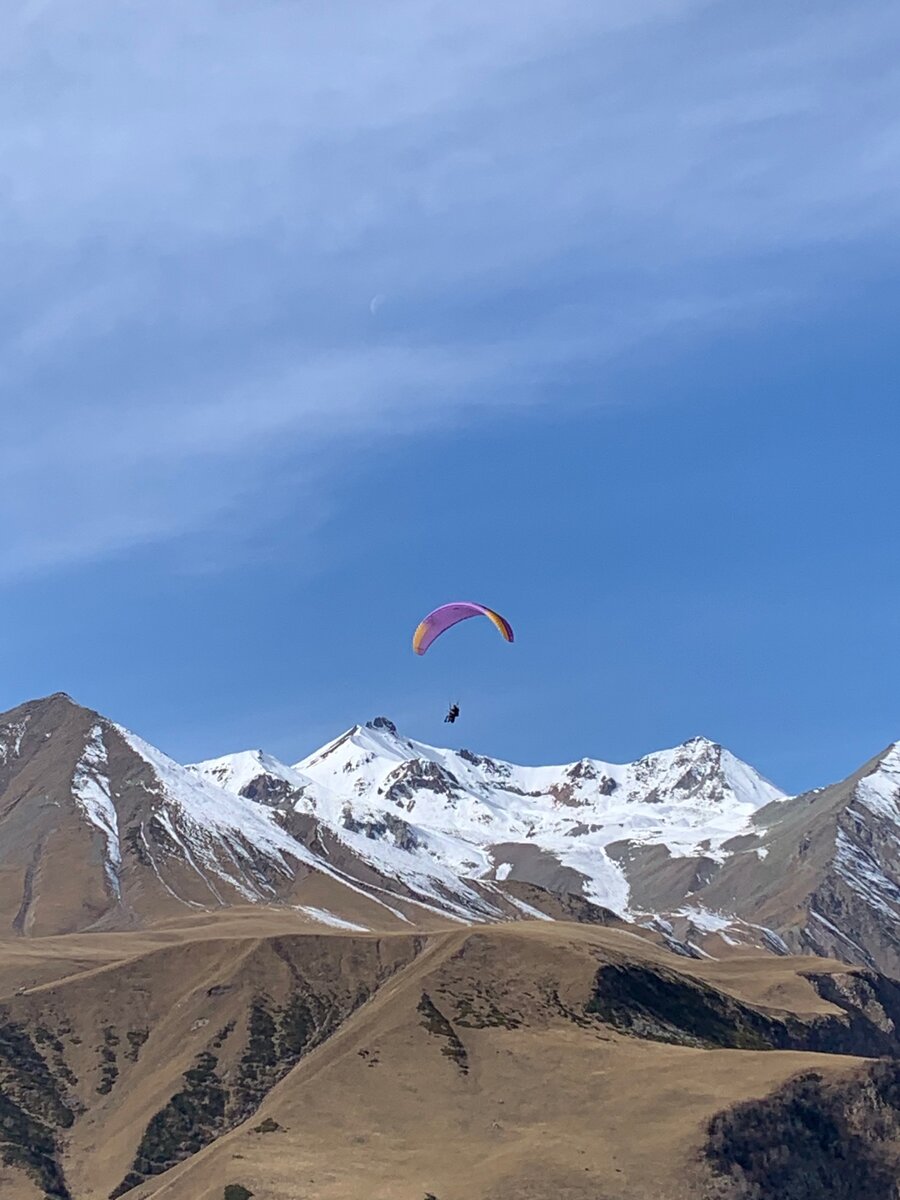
444,618
448,615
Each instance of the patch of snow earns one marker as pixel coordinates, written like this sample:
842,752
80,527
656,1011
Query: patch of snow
659,925
747,783
165,820
699,949
702,918
354,886
92,794
149,854
775,941
684,949
738,927
432,873
503,871
527,909
328,918
879,792
11,740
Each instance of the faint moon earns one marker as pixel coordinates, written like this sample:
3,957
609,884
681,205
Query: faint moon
375,303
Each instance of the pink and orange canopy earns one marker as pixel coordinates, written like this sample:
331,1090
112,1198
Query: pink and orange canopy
447,615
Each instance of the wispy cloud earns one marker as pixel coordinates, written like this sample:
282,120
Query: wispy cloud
200,200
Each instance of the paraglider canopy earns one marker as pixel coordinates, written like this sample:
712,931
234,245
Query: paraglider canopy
447,615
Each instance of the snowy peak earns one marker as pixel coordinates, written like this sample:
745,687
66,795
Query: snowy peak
699,771
879,791
376,739
440,825
855,911
704,772
822,869
257,776
417,812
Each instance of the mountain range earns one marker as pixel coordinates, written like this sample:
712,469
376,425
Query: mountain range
690,846
396,972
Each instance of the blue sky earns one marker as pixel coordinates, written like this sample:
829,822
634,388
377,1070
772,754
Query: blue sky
315,316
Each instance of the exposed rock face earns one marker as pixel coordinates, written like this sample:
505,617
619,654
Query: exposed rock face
402,784
666,1006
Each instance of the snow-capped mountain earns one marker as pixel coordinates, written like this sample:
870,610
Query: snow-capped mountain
257,776
408,807
690,840
99,829
459,830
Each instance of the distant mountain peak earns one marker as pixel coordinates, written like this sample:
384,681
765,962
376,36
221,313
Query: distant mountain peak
255,775
55,699
382,723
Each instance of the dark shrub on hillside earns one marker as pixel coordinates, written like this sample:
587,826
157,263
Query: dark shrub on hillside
812,1140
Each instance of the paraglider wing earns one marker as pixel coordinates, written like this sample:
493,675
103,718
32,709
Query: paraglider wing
447,615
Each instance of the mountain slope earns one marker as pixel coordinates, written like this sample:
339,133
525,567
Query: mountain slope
830,877
98,829
459,1063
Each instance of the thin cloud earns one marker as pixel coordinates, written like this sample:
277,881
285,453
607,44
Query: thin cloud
199,198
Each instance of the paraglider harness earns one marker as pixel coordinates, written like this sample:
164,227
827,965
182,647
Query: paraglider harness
452,714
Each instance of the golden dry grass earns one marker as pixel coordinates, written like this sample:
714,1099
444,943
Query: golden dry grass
548,1109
